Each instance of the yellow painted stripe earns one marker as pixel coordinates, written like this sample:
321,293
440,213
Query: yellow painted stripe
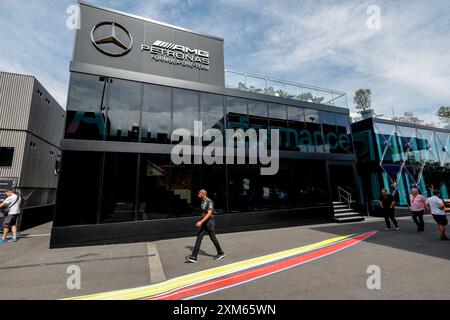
198,277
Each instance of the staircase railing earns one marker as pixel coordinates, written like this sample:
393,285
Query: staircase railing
163,172
345,195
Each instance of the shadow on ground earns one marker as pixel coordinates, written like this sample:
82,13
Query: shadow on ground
201,252
407,238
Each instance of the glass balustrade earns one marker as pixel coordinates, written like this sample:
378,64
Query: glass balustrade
284,89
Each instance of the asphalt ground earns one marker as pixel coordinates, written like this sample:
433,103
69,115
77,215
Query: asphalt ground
413,265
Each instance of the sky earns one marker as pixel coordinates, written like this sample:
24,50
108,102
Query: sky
398,49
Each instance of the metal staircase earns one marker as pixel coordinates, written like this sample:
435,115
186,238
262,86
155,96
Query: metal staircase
343,211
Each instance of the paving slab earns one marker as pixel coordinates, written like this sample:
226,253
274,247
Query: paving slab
30,270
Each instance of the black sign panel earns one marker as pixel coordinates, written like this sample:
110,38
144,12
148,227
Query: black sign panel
117,40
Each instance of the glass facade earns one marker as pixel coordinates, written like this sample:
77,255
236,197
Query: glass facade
126,187
403,157
156,114
123,111
123,187
100,108
185,109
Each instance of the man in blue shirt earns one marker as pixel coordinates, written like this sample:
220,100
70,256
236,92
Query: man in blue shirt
207,225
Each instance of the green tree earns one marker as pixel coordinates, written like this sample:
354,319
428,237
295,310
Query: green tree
444,114
363,99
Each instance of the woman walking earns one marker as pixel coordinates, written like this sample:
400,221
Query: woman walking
417,208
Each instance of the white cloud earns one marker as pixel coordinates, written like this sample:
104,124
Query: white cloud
327,43
35,41
406,63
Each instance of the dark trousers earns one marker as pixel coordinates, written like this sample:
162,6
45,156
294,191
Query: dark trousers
418,219
210,229
389,214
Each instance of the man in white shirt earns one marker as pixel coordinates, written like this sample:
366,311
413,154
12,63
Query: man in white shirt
437,208
12,207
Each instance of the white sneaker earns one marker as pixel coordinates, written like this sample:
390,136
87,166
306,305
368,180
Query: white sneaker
219,257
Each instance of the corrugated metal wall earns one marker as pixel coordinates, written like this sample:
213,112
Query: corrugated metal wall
46,116
32,122
15,100
38,167
16,140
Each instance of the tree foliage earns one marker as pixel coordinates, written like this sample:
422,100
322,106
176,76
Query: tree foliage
443,114
363,99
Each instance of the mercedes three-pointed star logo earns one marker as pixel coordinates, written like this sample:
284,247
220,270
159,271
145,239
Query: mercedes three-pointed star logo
111,44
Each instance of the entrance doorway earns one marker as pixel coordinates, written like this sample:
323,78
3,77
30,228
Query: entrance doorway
342,180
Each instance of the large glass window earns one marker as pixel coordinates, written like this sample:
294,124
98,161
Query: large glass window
258,119
154,187
124,108
86,107
258,116
119,188
343,123
247,190
387,142
213,179
336,133
310,183
237,115
299,137
278,120
364,146
185,109
281,187
296,185
6,156
86,92
156,114
277,116
103,108
428,147
185,184
330,136
344,133
211,112
407,144
312,121
79,187
442,143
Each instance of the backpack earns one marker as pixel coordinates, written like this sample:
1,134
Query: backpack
4,211
427,208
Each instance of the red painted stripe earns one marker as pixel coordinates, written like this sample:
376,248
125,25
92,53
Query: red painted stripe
247,276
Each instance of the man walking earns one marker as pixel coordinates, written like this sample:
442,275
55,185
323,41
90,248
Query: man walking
11,207
417,208
388,206
207,225
437,208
